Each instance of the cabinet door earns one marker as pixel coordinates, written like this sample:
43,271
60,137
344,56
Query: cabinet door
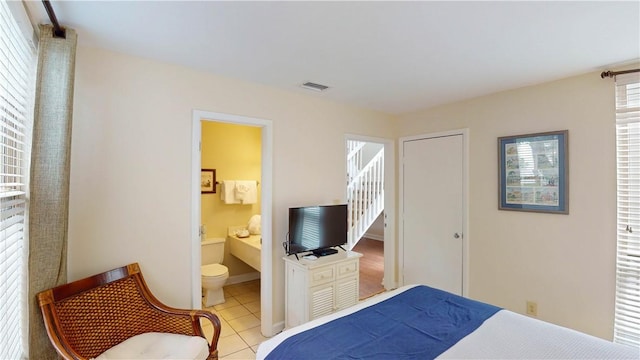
321,301
295,300
346,293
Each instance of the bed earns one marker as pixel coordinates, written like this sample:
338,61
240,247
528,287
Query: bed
419,322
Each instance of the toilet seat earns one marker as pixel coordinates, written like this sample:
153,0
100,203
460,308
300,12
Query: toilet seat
214,270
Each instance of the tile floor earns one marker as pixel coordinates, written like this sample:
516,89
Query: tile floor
240,321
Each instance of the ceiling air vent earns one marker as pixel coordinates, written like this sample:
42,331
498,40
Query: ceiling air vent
313,86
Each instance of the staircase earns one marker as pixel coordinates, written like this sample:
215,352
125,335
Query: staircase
365,190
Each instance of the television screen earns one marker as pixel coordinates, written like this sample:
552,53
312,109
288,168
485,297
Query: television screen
317,227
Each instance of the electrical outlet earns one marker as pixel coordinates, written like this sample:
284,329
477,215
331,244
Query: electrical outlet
532,308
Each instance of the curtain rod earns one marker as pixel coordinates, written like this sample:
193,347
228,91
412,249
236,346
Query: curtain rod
58,31
614,73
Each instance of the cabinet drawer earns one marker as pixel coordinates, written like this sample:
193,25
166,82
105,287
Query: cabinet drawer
347,269
322,275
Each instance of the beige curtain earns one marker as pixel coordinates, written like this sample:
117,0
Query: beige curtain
49,184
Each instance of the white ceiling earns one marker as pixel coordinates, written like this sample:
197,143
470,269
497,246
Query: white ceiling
394,57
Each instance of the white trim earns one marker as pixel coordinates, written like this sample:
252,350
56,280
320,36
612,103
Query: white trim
390,280
465,210
266,183
465,202
277,328
376,237
237,279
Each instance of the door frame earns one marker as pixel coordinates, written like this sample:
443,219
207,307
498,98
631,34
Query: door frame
390,279
266,198
466,236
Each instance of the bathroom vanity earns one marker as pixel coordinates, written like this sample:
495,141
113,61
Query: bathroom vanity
247,249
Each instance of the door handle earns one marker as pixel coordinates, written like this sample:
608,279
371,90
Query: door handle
456,236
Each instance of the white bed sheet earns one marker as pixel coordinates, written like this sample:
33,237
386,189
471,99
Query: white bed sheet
506,335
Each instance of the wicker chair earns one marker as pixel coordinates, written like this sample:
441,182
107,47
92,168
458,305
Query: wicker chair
89,316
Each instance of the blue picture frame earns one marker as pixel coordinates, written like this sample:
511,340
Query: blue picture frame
533,172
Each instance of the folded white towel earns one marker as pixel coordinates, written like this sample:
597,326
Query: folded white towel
228,193
241,190
246,191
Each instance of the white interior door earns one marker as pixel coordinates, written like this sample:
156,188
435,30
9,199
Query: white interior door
433,210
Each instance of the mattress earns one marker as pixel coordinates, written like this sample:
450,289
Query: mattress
505,335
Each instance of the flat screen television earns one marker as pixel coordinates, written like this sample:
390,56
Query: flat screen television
317,229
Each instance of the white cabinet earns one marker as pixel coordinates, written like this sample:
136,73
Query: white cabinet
320,287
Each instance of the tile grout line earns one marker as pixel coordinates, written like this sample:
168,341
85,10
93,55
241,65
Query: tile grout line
229,297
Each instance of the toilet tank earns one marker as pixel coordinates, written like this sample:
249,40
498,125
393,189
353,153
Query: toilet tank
212,251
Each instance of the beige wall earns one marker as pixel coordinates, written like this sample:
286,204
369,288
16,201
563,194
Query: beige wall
566,263
130,179
131,160
376,231
234,151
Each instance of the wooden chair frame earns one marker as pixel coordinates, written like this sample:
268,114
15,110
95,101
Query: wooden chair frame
89,316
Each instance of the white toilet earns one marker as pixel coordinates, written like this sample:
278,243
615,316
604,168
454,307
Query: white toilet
214,274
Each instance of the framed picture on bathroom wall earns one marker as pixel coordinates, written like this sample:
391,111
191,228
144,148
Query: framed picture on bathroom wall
208,181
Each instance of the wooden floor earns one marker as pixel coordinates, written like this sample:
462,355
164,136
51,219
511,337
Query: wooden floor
371,266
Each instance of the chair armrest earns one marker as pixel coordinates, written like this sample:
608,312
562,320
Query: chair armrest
194,315
213,346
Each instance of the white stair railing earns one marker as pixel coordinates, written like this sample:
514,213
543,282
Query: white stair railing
365,197
354,158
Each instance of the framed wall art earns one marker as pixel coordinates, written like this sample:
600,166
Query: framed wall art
533,172
208,181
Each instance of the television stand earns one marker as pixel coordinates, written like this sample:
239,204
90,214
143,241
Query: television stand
314,288
324,252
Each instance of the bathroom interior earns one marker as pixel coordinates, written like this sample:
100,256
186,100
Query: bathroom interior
230,230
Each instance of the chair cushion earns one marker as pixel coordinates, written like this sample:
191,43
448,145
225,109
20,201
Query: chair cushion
159,346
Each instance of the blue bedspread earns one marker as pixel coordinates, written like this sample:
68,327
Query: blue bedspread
420,323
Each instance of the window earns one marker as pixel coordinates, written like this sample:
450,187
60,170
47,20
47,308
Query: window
17,69
627,311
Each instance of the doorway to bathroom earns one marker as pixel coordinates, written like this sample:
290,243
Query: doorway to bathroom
237,149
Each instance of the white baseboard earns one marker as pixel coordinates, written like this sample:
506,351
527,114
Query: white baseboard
236,279
374,236
277,328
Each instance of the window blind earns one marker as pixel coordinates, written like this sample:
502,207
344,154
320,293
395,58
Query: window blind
627,306
17,69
